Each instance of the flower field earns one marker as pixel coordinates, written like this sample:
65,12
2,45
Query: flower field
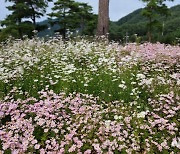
88,97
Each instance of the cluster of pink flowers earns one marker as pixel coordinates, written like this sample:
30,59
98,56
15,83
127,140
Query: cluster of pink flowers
78,123
158,51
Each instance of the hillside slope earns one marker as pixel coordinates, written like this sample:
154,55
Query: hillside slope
135,23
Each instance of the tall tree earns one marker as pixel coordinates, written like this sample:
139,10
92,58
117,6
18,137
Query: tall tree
63,15
37,8
103,18
153,9
14,21
70,16
87,21
22,20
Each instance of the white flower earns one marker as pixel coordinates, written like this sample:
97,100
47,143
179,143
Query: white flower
53,60
46,130
141,114
26,58
1,60
56,130
176,143
85,85
178,82
149,81
20,69
116,117
107,123
141,76
122,86
120,117
138,107
175,75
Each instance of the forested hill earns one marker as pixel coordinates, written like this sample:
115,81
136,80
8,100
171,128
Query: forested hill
49,30
135,23
131,18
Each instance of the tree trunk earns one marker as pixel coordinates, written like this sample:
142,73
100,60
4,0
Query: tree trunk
103,18
19,28
150,30
34,18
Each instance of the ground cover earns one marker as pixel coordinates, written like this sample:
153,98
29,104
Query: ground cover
89,97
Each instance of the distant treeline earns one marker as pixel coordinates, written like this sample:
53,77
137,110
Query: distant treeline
70,18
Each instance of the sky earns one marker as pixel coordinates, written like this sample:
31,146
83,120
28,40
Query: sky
118,8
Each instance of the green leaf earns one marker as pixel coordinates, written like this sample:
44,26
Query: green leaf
38,132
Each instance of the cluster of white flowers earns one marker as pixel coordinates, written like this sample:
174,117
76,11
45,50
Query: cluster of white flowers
140,76
142,114
116,117
176,143
107,123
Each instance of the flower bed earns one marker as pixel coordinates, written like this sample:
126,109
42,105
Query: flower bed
89,97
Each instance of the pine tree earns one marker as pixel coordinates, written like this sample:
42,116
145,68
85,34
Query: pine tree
14,22
153,9
71,16
61,15
103,18
37,9
86,19
22,20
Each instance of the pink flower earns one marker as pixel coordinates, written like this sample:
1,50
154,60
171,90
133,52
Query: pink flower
53,124
170,127
2,132
37,146
72,148
75,139
79,144
1,113
42,151
87,151
14,152
61,151
159,147
41,122
5,146
69,136
34,141
97,148
176,143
